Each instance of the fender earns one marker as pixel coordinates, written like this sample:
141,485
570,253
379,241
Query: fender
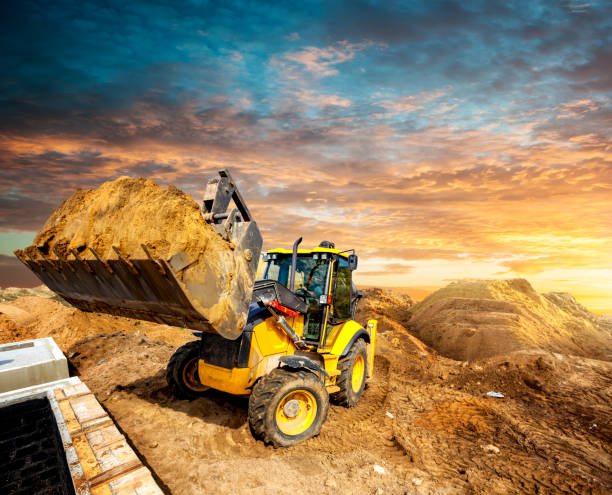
359,334
302,362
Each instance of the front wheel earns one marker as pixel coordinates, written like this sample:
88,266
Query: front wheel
353,369
182,372
287,407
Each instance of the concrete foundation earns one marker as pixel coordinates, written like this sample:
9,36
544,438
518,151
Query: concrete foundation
55,437
31,445
31,362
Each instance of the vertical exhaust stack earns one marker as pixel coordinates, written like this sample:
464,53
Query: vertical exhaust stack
131,248
294,263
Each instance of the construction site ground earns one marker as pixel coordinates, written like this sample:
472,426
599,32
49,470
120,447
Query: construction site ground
425,423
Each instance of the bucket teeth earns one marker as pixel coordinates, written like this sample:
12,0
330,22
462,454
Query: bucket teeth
47,259
157,263
84,263
54,264
128,263
106,265
182,281
61,259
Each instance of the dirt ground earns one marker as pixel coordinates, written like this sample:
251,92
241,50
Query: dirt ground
424,425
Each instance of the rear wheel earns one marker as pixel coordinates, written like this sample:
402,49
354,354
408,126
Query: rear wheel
182,372
287,407
353,369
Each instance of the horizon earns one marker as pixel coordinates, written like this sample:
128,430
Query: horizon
418,294
441,140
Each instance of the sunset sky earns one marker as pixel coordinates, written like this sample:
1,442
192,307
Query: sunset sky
442,140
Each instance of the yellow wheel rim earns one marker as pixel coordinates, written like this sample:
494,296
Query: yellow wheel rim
358,373
191,379
296,412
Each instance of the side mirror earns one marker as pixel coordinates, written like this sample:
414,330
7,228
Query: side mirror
352,261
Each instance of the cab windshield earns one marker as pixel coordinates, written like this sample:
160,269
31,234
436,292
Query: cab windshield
310,273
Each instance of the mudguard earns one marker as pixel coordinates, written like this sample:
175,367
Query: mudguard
302,362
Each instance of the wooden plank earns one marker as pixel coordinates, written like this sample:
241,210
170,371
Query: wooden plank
115,472
138,482
87,409
72,423
101,490
88,460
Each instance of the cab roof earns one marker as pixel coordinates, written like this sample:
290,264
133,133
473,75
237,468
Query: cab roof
309,251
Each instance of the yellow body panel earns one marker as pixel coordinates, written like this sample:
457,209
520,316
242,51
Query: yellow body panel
372,327
232,381
340,336
331,366
270,338
268,345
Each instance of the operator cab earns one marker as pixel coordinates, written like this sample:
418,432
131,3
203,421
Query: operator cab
322,279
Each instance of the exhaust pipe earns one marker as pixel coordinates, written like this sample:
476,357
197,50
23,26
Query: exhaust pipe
293,263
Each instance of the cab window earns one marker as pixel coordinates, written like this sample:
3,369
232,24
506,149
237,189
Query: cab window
342,295
310,274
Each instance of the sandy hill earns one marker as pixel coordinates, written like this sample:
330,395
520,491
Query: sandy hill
391,309
38,312
474,319
12,293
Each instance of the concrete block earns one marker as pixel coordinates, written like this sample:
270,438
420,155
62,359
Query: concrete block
29,363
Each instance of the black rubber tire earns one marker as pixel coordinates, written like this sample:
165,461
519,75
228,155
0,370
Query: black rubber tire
267,395
346,396
186,355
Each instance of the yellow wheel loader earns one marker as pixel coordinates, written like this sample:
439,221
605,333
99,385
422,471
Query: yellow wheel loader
298,346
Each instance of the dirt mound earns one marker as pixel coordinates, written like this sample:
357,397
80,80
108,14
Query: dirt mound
390,308
605,322
545,436
36,317
474,319
426,420
11,293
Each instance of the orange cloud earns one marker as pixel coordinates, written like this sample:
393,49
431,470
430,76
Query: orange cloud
421,206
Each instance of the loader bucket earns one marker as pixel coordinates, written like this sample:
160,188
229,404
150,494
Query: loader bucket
153,290
132,248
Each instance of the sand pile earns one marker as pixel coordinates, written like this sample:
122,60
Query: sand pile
390,308
474,319
127,213
605,322
36,317
12,293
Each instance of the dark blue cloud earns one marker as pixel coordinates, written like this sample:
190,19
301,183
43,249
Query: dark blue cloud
66,63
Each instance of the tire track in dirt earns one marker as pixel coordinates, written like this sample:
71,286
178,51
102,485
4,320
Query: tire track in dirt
346,428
